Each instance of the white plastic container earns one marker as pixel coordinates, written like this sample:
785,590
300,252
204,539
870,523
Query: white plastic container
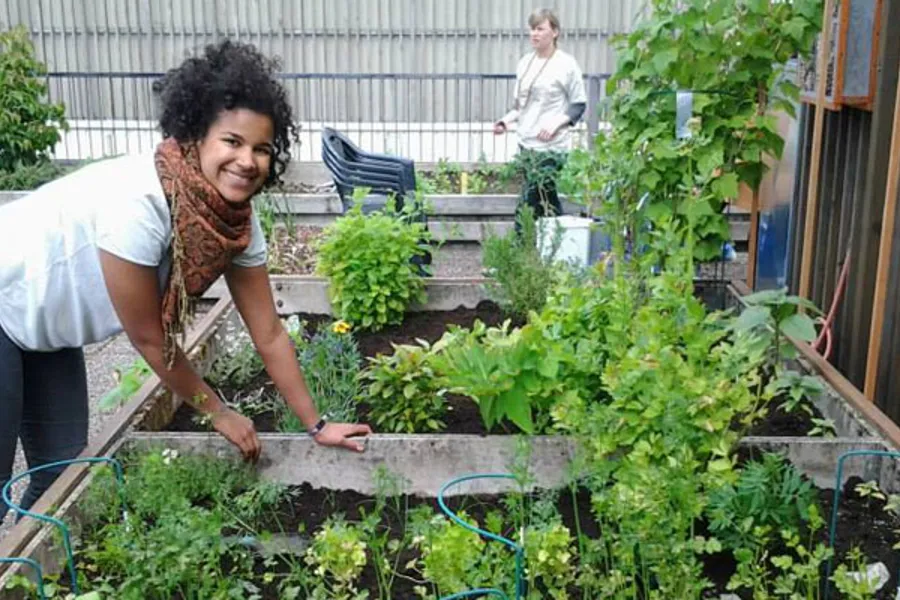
574,240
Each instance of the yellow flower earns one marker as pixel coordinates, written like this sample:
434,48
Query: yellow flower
341,327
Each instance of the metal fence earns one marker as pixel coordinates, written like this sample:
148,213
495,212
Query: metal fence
422,77
425,117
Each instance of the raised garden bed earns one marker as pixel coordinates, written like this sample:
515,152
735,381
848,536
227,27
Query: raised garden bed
265,552
463,416
295,460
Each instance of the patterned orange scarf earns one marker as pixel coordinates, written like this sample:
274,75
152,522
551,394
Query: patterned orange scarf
207,233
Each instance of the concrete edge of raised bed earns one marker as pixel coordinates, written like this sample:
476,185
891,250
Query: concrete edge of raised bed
307,293
475,215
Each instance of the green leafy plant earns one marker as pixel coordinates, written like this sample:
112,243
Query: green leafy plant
512,375
451,555
128,382
732,56
331,367
172,542
29,126
368,262
770,496
337,556
403,392
29,177
521,274
550,558
238,364
771,315
849,583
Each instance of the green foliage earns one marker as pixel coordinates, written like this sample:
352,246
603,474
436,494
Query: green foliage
769,496
331,365
769,316
450,554
403,392
29,126
512,375
239,363
521,274
29,177
367,260
337,556
732,56
173,541
128,382
549,552
848,582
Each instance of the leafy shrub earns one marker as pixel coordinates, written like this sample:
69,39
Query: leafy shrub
404,393
29,126
512,375
522,275
367,260
337,556
29,177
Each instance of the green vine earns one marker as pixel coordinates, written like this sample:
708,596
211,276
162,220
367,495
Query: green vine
732,55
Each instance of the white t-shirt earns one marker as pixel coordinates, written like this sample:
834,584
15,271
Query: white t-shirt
52,291
554,83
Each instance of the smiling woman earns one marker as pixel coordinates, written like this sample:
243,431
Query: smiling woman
124,244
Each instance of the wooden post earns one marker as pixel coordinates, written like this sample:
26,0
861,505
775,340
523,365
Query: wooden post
885,248
812,195
753,242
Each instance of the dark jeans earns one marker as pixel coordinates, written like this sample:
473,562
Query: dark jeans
539,189
43,401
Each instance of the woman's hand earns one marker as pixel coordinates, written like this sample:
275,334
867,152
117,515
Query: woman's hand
499,128
552,129
239,430
341,435
545,135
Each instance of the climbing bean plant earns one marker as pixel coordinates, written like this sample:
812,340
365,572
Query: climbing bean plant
732,55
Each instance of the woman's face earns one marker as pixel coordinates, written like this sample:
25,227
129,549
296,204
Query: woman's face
236,154
542,35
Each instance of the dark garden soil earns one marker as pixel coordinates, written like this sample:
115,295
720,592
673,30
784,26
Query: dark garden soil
861,522
463,415
779,422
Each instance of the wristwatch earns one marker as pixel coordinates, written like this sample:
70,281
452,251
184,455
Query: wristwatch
317,428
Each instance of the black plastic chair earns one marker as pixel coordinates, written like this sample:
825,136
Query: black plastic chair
353,153
383,175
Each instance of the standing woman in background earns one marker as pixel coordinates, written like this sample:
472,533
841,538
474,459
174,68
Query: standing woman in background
549,98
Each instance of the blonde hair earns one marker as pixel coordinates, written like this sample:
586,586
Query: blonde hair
545,14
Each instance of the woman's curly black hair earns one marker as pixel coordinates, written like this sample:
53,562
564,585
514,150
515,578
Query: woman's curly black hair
228,76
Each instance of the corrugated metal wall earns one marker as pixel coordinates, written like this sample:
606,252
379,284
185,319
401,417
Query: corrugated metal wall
853,180
314,36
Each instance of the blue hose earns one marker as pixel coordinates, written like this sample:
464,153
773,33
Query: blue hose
67,541
837,498
515,547
34,565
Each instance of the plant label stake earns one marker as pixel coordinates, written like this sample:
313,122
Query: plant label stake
684,109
